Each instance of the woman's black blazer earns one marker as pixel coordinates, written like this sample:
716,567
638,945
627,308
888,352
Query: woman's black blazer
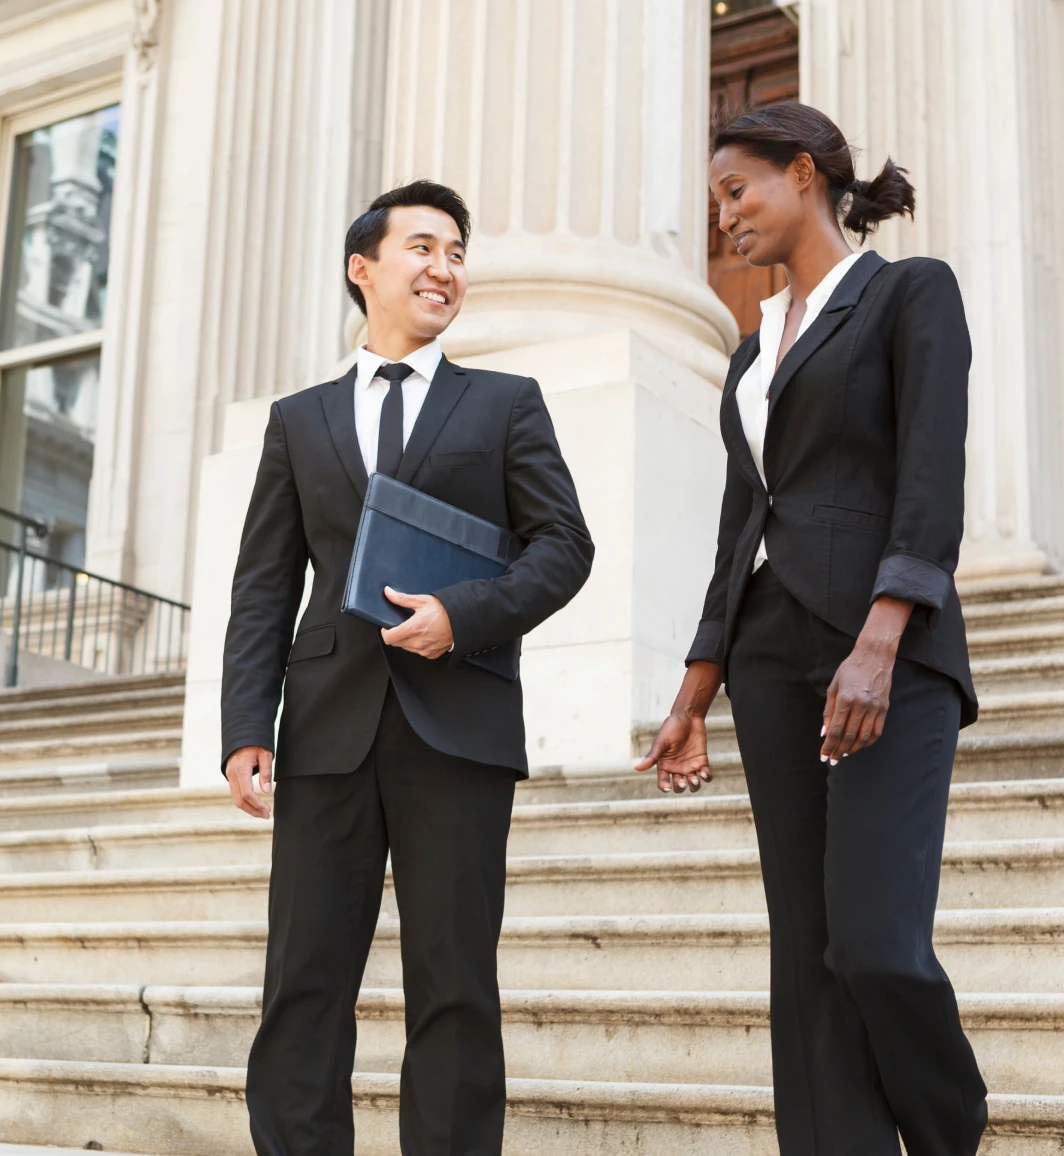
864,457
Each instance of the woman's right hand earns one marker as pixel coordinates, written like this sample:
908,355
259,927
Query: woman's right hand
679,753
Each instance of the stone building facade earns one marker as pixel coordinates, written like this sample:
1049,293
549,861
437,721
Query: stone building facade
176,177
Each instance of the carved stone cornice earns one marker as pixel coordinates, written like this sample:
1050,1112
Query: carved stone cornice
146,20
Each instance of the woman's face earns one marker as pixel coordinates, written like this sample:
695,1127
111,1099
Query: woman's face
762,206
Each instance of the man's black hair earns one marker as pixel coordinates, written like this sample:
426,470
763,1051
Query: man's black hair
367,231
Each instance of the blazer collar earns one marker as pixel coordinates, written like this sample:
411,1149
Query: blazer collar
338,401
839,304
448,385
731,424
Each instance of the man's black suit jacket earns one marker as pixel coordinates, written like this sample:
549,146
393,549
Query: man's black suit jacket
864,460
484,442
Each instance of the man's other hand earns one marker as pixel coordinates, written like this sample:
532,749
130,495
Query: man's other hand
426,632
239,770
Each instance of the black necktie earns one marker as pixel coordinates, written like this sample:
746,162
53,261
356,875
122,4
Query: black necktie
390,439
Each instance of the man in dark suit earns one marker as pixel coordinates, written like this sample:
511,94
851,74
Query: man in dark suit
389,741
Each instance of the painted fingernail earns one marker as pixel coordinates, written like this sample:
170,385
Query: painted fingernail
705,776
823,758
824,730
666,788
834,762
846,755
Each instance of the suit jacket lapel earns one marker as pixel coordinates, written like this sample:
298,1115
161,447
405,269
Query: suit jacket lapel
338,401
839,306
731,423
448,384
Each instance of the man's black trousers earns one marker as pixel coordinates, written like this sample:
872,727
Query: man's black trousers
866,1039
445,821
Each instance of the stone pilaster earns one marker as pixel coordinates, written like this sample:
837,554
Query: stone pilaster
251,135
957,91
577,130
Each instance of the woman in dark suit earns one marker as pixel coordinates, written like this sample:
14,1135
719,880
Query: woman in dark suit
833,618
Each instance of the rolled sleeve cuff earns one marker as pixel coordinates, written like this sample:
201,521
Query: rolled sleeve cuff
913,579
707,644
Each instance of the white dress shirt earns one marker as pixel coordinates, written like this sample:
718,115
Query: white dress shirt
371,390
752,392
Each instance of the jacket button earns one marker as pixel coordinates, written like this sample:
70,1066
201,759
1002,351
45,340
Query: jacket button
770,500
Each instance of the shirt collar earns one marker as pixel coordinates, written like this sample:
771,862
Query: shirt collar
778,305
423,361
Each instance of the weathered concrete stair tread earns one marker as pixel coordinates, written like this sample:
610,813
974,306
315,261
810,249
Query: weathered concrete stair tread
76,725
24,784
1015,641
982,949
134,806
47,751
90,706
155,1108
664,1036
990,590
981,874
117,684
38,1150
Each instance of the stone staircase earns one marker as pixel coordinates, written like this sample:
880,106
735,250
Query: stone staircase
634,957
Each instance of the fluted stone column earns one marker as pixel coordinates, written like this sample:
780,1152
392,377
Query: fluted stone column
577,131
966,94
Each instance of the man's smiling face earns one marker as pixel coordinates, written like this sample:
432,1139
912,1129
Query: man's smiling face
418,280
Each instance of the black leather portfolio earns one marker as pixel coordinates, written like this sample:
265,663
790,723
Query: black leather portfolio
417,544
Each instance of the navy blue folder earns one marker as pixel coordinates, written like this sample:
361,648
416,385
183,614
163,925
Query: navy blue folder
415,543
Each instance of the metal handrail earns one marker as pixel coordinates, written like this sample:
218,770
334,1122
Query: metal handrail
123,628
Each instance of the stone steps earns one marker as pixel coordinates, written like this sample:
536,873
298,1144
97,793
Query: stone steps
1011,949
199,1111
1015,641
31,828
155,767
61,808
31,708
43,753
658,1036
56,726
1000,873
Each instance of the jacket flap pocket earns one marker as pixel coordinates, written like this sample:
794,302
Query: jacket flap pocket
842,516
461,458
313,643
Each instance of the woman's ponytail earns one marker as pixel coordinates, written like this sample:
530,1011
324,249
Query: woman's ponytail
888,195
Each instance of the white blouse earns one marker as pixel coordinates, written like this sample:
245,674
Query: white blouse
752,391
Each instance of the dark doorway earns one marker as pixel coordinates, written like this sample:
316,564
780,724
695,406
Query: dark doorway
753,62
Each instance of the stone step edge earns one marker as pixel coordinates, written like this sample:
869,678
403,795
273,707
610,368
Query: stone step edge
130,699
552,1099
979,855
706,1008
24,754
982,795
973,925
87,771
37,1150
13,731
113,684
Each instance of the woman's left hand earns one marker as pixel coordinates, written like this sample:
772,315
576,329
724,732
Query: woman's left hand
859,695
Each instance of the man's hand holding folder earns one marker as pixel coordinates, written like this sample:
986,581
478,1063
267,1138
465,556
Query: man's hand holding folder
426,632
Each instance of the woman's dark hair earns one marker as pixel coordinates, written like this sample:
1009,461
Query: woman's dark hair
367,231
779,132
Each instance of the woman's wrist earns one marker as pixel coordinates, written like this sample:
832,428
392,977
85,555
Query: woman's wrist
884,626
698,689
